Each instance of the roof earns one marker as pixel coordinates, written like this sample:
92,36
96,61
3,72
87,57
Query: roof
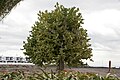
13,53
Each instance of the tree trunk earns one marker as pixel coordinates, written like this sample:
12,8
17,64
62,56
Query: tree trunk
61,64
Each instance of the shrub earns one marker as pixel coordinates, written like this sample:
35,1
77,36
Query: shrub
63,75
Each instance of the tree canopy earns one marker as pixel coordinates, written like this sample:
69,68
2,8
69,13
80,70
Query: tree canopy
58,38
6,6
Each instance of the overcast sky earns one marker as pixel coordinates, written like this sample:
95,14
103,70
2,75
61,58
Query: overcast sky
102,20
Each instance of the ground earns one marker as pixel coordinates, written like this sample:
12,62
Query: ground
36,69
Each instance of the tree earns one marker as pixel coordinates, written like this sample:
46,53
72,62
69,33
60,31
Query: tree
58,38
6,6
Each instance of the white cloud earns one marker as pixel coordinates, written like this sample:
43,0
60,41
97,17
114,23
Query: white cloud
103,28
101,21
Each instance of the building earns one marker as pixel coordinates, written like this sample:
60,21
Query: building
9,59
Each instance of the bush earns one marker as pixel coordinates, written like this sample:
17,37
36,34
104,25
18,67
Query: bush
64,75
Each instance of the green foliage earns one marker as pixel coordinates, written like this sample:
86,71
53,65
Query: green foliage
58,35
6,6
64,75
12,76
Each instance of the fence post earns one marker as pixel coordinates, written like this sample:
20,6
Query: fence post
109,66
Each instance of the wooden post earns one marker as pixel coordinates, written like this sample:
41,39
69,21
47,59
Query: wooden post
109,66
